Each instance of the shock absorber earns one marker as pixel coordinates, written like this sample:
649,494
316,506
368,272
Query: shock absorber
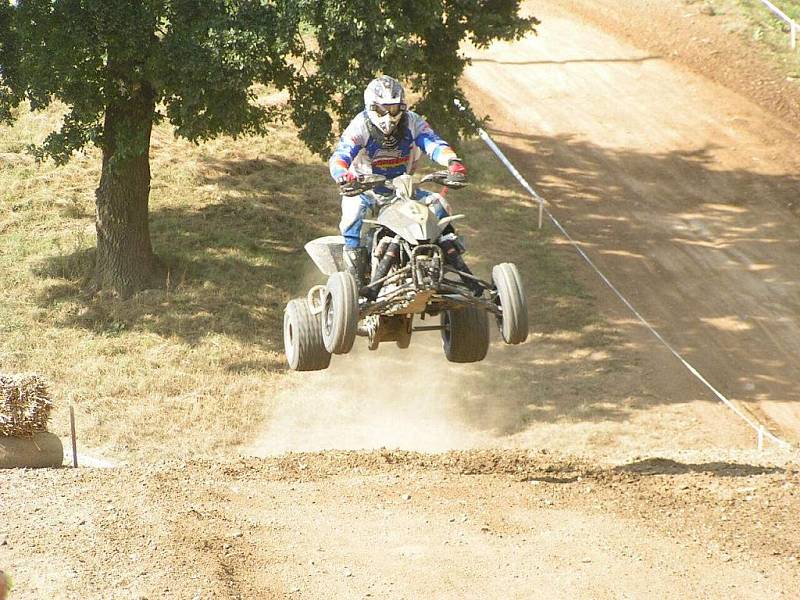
388,260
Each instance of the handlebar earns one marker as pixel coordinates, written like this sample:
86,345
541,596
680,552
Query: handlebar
362,184
454,181
368,182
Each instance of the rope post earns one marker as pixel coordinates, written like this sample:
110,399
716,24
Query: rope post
74,441
760,438
502,157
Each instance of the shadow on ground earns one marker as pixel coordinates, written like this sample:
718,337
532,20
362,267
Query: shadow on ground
233,262
681,219
565,62
665,466
580,368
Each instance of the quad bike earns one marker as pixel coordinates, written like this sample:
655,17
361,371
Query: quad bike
414,272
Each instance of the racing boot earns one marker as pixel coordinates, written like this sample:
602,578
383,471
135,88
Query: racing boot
355,263
452,256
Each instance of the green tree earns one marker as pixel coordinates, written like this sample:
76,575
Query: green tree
122,65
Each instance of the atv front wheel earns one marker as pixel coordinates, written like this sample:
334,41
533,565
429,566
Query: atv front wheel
465,334
340,313
513,323
302,338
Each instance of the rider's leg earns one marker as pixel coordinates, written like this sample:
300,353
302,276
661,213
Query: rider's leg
452,255
354,209
449,239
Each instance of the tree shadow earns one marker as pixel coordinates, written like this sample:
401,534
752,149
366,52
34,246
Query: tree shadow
232,263
640,216
74,267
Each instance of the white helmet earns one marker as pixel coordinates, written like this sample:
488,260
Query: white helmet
385,103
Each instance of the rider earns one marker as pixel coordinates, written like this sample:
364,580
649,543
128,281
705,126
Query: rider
388,139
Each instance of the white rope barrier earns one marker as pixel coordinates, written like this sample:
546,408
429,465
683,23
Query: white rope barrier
759,428
793,25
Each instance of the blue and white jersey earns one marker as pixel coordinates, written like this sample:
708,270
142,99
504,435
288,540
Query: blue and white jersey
360,153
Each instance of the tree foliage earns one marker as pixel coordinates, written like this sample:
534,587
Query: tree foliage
200,58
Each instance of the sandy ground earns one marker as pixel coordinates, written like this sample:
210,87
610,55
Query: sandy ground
583,471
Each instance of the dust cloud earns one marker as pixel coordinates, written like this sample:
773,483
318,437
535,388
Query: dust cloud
409,399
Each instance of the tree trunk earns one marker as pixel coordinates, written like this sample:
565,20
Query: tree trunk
125,259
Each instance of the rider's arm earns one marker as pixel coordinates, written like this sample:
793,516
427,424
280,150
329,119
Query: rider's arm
347,149
426,138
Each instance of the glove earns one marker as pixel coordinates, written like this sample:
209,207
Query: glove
457,169
346,178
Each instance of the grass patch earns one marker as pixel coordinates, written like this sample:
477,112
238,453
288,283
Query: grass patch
758,23
188,369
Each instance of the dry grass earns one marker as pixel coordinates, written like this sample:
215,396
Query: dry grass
186,367
755,21
190,369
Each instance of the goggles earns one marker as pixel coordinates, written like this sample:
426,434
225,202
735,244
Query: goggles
392,110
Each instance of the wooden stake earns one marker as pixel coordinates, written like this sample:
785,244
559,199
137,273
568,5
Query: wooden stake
74,442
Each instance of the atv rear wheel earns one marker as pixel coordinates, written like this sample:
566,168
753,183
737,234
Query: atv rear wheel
513,323
340,313
465,334
302,338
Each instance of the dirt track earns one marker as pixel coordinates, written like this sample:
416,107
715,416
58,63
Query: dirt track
400,525
682,191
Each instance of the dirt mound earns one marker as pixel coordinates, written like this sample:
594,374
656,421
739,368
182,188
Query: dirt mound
521,464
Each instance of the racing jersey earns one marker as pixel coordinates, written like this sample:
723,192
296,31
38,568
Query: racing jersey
361,153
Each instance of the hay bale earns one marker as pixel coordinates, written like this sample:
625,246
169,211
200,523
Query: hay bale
25,405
